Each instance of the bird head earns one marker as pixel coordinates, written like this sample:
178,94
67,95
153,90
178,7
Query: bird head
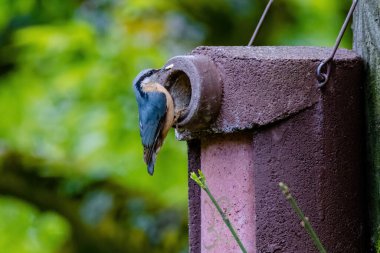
144,77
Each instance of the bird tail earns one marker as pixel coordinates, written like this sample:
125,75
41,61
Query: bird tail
151,164
151,168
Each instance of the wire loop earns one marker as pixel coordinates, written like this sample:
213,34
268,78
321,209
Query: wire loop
322,77
323,73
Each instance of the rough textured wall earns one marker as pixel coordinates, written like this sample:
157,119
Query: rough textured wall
275,125
367,44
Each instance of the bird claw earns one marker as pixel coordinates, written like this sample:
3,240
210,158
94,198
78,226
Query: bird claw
178,114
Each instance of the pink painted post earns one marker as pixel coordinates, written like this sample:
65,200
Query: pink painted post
254,116
231,180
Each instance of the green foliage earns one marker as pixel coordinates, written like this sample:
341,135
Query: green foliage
66,69
30,230
70,100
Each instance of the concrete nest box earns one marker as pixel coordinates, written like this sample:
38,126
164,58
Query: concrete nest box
254,117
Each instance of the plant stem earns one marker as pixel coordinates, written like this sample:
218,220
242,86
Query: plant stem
201,181
225,219
305,221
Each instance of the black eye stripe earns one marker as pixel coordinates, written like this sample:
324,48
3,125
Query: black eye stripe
149,73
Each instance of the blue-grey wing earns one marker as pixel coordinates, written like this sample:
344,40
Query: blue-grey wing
152,115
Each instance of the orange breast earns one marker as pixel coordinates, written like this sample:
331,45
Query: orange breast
156,87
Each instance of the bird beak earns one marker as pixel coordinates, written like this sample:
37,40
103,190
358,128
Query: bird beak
169,67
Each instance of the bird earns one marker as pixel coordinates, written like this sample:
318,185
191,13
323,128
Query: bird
156,113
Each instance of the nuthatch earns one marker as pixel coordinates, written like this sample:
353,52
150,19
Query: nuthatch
156,113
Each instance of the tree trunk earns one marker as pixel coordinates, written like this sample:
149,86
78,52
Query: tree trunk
367,43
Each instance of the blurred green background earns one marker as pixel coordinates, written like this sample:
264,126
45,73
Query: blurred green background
72,178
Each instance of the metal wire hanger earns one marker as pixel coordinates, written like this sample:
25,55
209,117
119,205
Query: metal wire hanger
324,68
